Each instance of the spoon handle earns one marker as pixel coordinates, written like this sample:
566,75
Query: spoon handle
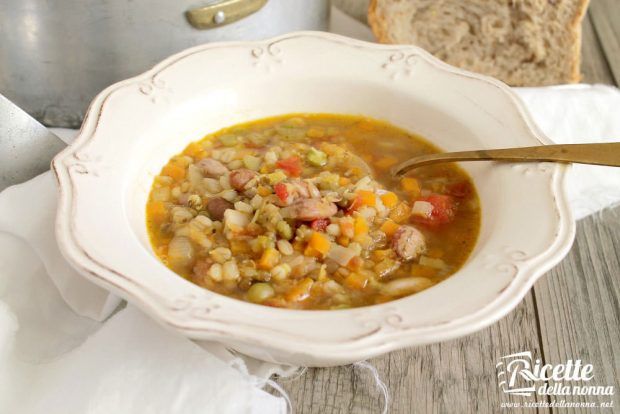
598,154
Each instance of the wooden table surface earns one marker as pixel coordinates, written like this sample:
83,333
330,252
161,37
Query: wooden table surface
572,312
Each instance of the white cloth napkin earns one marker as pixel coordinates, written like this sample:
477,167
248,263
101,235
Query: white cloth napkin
54,361
575,114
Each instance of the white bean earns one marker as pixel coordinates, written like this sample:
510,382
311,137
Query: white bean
281,271
333,230
405,286
271,157
215,272
212,185
220,254
285,247
225,182
230,271
243,207
256,202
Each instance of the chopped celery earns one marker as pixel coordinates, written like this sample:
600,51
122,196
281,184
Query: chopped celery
284,230
251,162
316,157
229,140
276,177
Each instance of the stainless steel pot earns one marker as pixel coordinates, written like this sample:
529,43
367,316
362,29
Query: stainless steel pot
55,56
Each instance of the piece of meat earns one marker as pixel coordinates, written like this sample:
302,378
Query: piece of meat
408,242
217,206
212,168
183,199
293,189
309,209
320,224
239,178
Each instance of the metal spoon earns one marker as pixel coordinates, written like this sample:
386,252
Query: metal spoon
597,154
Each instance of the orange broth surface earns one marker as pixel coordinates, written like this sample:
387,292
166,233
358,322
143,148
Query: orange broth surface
300,211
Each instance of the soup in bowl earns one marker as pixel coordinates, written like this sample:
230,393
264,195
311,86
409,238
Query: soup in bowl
300,211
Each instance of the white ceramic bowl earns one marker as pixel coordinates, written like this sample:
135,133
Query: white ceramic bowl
135,126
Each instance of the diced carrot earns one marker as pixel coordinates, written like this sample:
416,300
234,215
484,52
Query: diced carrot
343,241
389,199
174,171
410,185
320,242
356,281
157,211
386,162
389,227
401,212
263,191
310,251
367,198
355,263
342,181
360,226
195,150
269,259
300,291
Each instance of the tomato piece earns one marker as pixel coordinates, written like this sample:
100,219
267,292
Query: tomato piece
291,165
462,189
355,204
444,210
320,224
281,191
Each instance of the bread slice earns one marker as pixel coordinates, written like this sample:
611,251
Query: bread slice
522,42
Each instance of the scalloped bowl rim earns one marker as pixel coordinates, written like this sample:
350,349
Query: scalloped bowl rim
257,338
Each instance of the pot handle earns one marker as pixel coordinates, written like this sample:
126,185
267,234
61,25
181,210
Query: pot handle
222,13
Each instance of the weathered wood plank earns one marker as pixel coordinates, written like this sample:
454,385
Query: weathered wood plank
606,21
578,304
593,63
453,377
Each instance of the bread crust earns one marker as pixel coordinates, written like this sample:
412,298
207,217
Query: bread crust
576,27
379,27
376,23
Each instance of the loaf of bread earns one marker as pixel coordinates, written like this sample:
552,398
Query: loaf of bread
522,42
